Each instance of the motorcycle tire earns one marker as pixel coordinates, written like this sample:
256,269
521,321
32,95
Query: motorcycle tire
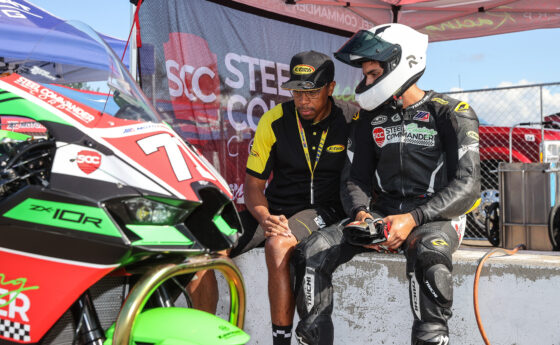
493,224
554,227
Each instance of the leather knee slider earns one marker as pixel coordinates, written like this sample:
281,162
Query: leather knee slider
439,283
432,266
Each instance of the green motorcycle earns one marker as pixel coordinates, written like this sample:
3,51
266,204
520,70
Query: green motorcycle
98,194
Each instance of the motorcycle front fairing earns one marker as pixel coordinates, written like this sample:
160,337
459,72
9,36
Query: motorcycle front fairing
95,181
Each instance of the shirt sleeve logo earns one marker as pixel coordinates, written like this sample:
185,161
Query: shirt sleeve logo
254,153
335,148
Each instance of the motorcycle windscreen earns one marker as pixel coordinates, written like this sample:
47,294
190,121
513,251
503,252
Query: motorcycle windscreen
153,148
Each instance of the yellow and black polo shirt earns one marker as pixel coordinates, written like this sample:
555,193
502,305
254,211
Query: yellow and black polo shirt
277,148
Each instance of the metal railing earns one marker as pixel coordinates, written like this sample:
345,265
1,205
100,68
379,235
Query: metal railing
511,130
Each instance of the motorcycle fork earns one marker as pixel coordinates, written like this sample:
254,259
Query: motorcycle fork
86,322
161,298
166,294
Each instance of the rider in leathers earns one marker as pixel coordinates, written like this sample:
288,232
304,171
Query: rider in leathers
415,164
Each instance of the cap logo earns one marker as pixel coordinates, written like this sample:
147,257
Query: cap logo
303,69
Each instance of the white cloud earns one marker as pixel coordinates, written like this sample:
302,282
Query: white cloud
519,83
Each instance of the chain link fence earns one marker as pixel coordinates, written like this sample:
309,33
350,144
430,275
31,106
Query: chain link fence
513,122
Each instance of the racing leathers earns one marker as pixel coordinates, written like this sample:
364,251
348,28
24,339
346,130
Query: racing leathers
422,160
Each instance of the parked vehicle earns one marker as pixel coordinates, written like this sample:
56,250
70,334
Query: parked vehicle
97,193
494,148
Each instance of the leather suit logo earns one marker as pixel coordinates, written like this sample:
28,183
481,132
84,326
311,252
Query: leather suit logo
379,136
423,116
309,288
379,120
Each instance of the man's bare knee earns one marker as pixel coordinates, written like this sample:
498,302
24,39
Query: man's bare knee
279,244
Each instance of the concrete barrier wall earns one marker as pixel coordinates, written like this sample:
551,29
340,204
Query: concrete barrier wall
519,299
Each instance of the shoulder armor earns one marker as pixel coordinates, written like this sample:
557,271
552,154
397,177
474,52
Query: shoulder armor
458,107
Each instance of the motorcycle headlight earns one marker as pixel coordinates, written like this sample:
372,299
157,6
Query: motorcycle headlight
146,211
143,211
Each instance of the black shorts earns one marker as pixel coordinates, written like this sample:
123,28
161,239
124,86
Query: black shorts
302,224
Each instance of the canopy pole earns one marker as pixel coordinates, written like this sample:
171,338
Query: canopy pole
395,9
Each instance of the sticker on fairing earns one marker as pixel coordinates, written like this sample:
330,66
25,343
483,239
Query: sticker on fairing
14,308
68,106
69,216
88,161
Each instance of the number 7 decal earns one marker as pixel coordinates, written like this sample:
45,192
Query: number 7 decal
151,144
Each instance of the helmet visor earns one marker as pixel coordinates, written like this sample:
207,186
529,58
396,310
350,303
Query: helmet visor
365,46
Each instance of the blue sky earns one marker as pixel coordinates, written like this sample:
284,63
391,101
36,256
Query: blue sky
530,57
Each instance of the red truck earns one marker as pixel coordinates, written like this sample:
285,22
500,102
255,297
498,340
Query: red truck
495,148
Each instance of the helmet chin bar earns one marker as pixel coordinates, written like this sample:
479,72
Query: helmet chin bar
408,84
371,97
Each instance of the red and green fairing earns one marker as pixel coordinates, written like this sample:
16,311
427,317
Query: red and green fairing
57,240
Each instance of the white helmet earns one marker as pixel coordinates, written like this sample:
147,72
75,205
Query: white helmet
401,52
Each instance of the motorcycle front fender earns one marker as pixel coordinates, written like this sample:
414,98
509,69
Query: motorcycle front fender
125,326
182,326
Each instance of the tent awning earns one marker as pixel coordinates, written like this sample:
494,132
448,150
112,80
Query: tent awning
24,26
441,19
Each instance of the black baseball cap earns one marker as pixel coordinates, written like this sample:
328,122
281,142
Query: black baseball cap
309,70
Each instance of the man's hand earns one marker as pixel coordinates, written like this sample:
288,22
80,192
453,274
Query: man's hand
362,215
400,227
258,206
276,225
